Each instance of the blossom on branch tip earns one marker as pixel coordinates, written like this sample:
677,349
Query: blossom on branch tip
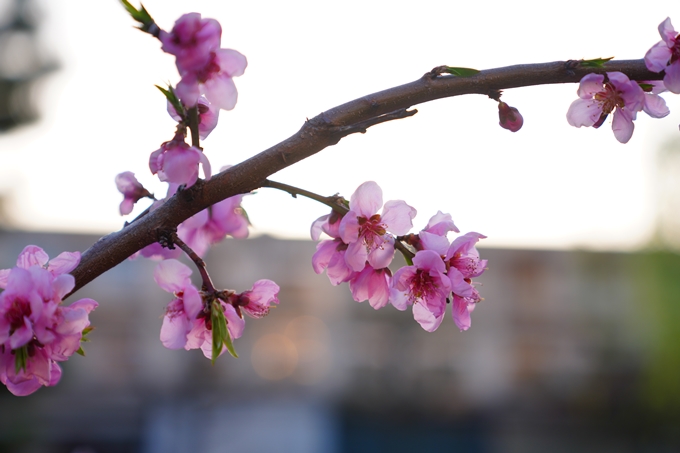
131,189
36,331
510,118
205,68
599,98
665,56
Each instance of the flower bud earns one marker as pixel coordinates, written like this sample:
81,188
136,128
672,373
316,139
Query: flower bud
510,117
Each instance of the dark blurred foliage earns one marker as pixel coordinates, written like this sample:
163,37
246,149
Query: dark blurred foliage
22,62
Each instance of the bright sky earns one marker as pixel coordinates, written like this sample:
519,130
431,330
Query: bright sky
548,185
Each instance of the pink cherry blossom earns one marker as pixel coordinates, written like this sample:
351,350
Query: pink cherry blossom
208,115
366,232
256,302
510,118
425,285
36,331
213,224
433,236
330,256
463,255
372,285
665,56
191,41
598,99
131,189
176,162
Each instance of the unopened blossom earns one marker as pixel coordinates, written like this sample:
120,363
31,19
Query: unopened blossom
213,224
598,99
208,115
425,286
257,301
510,118
177,162
36,331
372,285
131,189
665,56
366,232
191,41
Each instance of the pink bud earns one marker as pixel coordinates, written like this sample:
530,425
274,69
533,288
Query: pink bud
510,117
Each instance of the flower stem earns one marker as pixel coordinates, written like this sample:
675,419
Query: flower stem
208,286
335,202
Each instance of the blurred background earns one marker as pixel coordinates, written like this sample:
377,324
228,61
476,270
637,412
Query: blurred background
576,346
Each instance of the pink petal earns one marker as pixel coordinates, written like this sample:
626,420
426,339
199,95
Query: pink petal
32,255
590,85
656,58
429,260
356,256
382,256
622,125
667,32
398,216
231,62
366,200
174,331
172,276
672,78
235,324
399,299
583,112
439,244
221,91
461,313
440,224
655,106
426,319
22,335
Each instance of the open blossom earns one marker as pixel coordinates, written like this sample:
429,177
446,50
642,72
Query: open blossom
131,189
186,323
665,56
177,162
213,224
257,301
598,99
36,331
425,286
205,68
366,232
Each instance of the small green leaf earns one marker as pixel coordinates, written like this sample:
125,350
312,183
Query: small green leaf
230,345
595,63
646,87
171,96
81,351
462,72
20,359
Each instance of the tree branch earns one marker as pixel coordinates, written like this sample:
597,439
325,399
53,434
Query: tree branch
322,131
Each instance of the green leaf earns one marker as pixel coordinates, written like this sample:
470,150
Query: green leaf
20,359
140,15
462,72
230,345
81,351
595,63
171,96
646,87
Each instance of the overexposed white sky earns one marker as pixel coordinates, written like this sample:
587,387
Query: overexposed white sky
548,185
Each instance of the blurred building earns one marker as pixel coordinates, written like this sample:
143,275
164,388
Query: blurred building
569,351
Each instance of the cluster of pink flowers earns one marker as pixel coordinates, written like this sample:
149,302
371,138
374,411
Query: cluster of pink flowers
599,94
36,331
188,322
205,67
362,248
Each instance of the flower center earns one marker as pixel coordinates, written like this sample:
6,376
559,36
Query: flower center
16,312
422,286
609,99
370,229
